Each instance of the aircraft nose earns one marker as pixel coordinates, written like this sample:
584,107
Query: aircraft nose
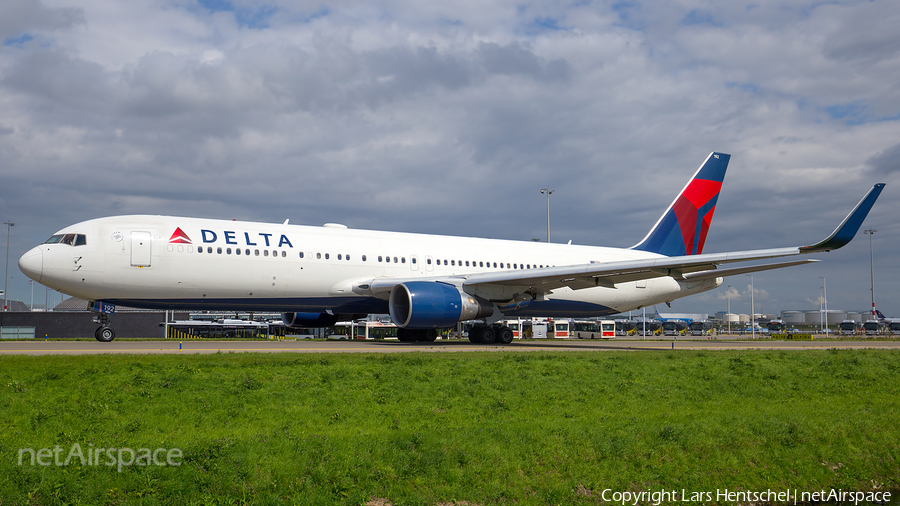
32,264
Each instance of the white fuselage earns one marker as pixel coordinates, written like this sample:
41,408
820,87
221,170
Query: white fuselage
186,263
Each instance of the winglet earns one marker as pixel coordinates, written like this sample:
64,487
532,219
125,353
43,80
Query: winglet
845,232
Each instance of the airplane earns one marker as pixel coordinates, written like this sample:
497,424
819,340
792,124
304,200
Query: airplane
316,276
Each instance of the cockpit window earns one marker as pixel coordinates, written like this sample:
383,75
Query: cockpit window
70,239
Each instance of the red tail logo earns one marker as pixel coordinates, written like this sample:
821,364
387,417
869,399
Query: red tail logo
179,237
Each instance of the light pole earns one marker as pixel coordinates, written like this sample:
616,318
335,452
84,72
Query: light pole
6,276
870,233
728,316
548,191
752,310
825,295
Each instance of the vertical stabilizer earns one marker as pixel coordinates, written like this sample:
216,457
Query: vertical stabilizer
682,229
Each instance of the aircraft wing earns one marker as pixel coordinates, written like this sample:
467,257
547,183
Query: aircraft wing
608,274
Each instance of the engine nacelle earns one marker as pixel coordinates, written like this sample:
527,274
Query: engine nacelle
308,320
434,305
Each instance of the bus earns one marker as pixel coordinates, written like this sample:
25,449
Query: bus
673,328
561,329
871,328
623,327
775,326
699,328
651,327
587,329
848,327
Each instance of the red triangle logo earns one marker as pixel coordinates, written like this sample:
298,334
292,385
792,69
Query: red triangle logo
179,237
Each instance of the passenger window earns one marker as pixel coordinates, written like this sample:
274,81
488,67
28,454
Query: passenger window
228,251
237,251
395,259
327,256
301,254
318,256
402,260
340,257
219,251
347,257
284,254
247,251
256,252
364,258
452,262
265,253
379,258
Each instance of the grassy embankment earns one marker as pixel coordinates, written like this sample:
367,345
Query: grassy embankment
487,428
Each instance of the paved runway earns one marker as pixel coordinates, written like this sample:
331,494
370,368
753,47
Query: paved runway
124,346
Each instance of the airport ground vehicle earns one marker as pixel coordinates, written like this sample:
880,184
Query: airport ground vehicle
848,327
590,329
871,328
700,328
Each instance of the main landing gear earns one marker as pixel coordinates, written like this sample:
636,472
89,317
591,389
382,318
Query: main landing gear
104,333
416,335
491,334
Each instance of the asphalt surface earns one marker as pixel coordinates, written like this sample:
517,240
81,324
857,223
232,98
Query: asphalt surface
124,346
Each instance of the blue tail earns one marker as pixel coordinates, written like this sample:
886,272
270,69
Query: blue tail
682,229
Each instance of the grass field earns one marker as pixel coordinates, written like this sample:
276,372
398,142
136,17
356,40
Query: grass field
468,428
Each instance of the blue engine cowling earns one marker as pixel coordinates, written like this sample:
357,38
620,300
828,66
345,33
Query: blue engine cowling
434,305
308,320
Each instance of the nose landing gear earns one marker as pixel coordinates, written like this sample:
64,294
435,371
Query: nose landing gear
104,333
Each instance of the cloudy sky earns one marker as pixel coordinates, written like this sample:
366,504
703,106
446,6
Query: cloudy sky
449,117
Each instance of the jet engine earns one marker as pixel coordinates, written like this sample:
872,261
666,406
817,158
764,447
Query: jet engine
308,320
433,305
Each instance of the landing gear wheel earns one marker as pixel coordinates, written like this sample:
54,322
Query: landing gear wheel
505,335
428,335
488,335
475,335
405,335
105,334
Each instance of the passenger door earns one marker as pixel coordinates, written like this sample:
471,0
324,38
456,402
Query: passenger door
141,246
